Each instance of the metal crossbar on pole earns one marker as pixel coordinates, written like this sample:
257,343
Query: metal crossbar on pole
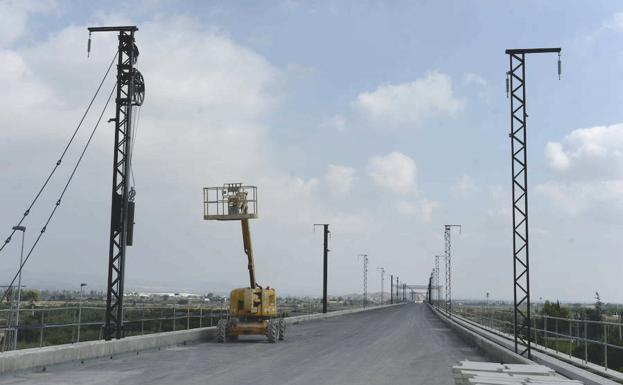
516,86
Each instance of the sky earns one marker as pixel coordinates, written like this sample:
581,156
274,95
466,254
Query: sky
385,119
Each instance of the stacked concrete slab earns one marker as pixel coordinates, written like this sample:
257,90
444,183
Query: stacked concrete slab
492,373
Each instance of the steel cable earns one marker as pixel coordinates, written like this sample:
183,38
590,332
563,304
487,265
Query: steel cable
60,159
58,202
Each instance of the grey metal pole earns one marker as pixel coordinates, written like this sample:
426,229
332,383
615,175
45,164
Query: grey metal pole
19,285
382,270
391,289
585,343
545,330
82,285
41,330
605,346
325,269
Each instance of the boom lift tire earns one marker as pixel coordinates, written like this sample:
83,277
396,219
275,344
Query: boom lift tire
221,330
282,329
272,331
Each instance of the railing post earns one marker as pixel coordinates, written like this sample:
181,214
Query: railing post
605,346
535,331
570,338
556,336
73,329
201,316
143,320
585,342
188,316
545,331
41,330
160,322
174,318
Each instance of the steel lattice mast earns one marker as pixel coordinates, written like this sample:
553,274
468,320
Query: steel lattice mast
448,259
437,282
516,84
365,278
130,92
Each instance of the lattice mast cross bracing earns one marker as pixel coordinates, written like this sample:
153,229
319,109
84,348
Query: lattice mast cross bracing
364,258
448,259
130,90
516,86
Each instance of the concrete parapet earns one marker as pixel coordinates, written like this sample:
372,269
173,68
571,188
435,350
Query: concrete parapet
501,349
40,358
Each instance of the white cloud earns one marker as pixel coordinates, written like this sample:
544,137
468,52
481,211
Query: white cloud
556,157
579,197
594,153
614,23
296,206
499,210
589,168
411,103
472,78
423,209
464,186
14,15
336,122
340,178
394,171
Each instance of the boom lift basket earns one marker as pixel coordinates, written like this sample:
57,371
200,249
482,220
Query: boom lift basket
231,202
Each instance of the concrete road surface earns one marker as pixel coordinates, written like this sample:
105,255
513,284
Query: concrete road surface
399,345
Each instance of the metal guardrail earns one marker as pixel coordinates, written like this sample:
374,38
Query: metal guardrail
549,333
47,326
72,323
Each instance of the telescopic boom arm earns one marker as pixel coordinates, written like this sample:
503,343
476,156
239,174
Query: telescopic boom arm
248,249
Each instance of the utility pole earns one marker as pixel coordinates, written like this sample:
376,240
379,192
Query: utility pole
516,86
448,256
391,289
430,287
19,284
325,253
365,278
82,285
130,93
382,270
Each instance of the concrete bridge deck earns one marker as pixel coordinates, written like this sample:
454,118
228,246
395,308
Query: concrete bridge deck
397,345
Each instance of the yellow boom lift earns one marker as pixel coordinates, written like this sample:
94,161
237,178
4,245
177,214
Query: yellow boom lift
253,309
